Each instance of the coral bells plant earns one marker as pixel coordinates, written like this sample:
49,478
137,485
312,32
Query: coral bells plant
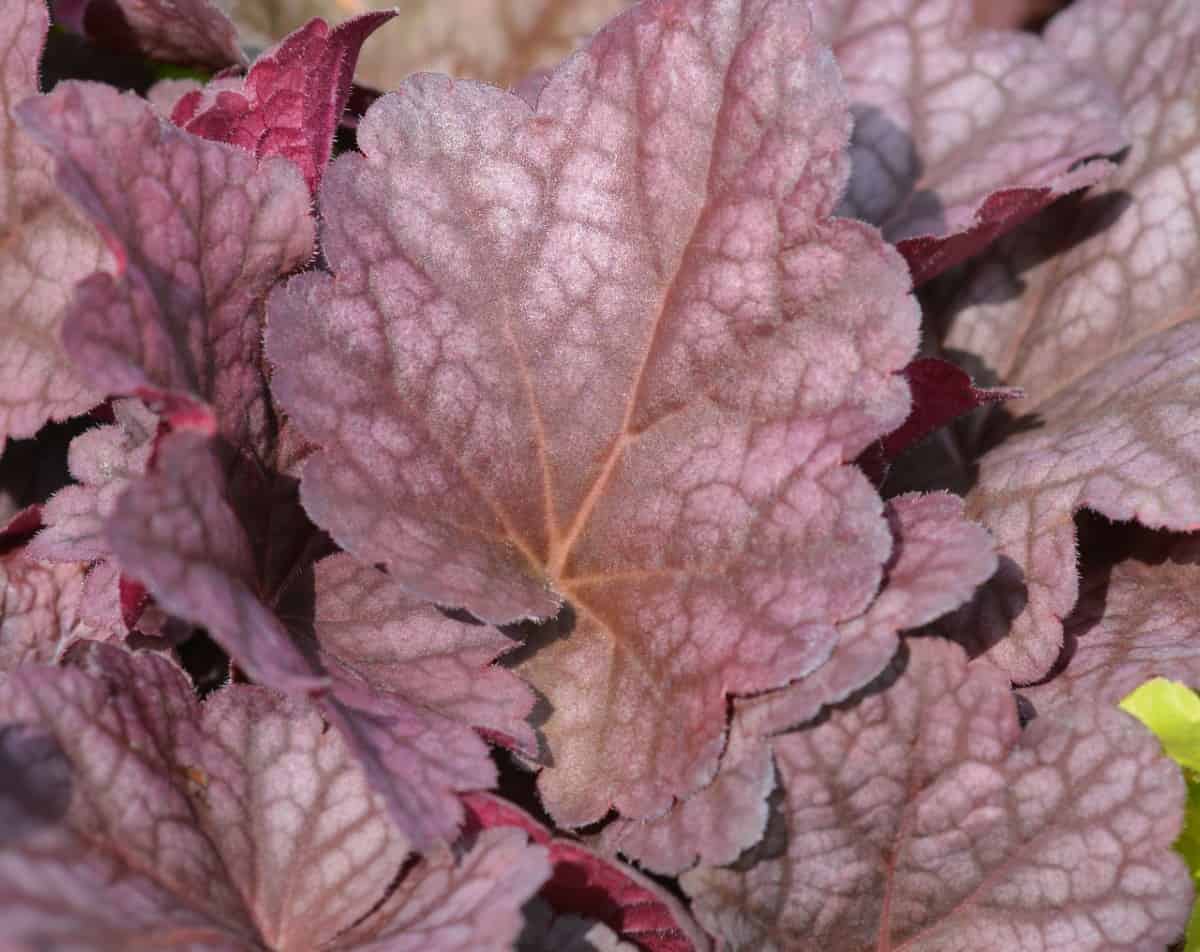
574,474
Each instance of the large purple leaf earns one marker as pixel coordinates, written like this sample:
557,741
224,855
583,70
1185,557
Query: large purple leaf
614,353
959,134
1091,310
45,247
203,231
238,824
923,818
292,99
403,684
939,558
498,41
1135,620
193,32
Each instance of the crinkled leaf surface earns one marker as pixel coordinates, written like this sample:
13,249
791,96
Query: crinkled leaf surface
42,610
613,352
193,32
960,135
238,824
497,41
407,686
590,886
45,247
102,460
1135,621
1091,309
290,102
923,818
203,231
938,560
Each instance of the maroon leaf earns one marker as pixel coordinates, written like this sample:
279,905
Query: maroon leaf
960,135
1091,310
191,32
614,352
241,823
292,99
585,884
923,818
203,231
45,247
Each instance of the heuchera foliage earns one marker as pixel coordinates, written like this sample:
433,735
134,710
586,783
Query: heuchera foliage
603,494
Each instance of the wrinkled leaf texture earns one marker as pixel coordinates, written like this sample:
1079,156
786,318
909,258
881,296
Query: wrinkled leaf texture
614,352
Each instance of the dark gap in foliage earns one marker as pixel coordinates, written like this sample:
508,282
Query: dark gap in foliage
32,470
69,56
205,662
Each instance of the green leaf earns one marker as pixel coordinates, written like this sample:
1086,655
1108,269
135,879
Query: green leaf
1172,711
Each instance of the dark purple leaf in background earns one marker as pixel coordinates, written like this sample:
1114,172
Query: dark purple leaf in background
191,32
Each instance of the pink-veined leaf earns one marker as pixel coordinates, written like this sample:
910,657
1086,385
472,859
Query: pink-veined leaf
405,686
191,32
923,818
960,134
1091,310
203,231
43,610
45,247
939,558
585,884
498,41
291,100
613,352
240,823
1135,620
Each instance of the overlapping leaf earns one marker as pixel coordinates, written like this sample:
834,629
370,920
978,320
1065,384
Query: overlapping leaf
45,247
203,231
960,135
1091,309
41,610
1136,620
498,41
938,560
591,889
614,352
292,99
232,825
922,817
406,685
